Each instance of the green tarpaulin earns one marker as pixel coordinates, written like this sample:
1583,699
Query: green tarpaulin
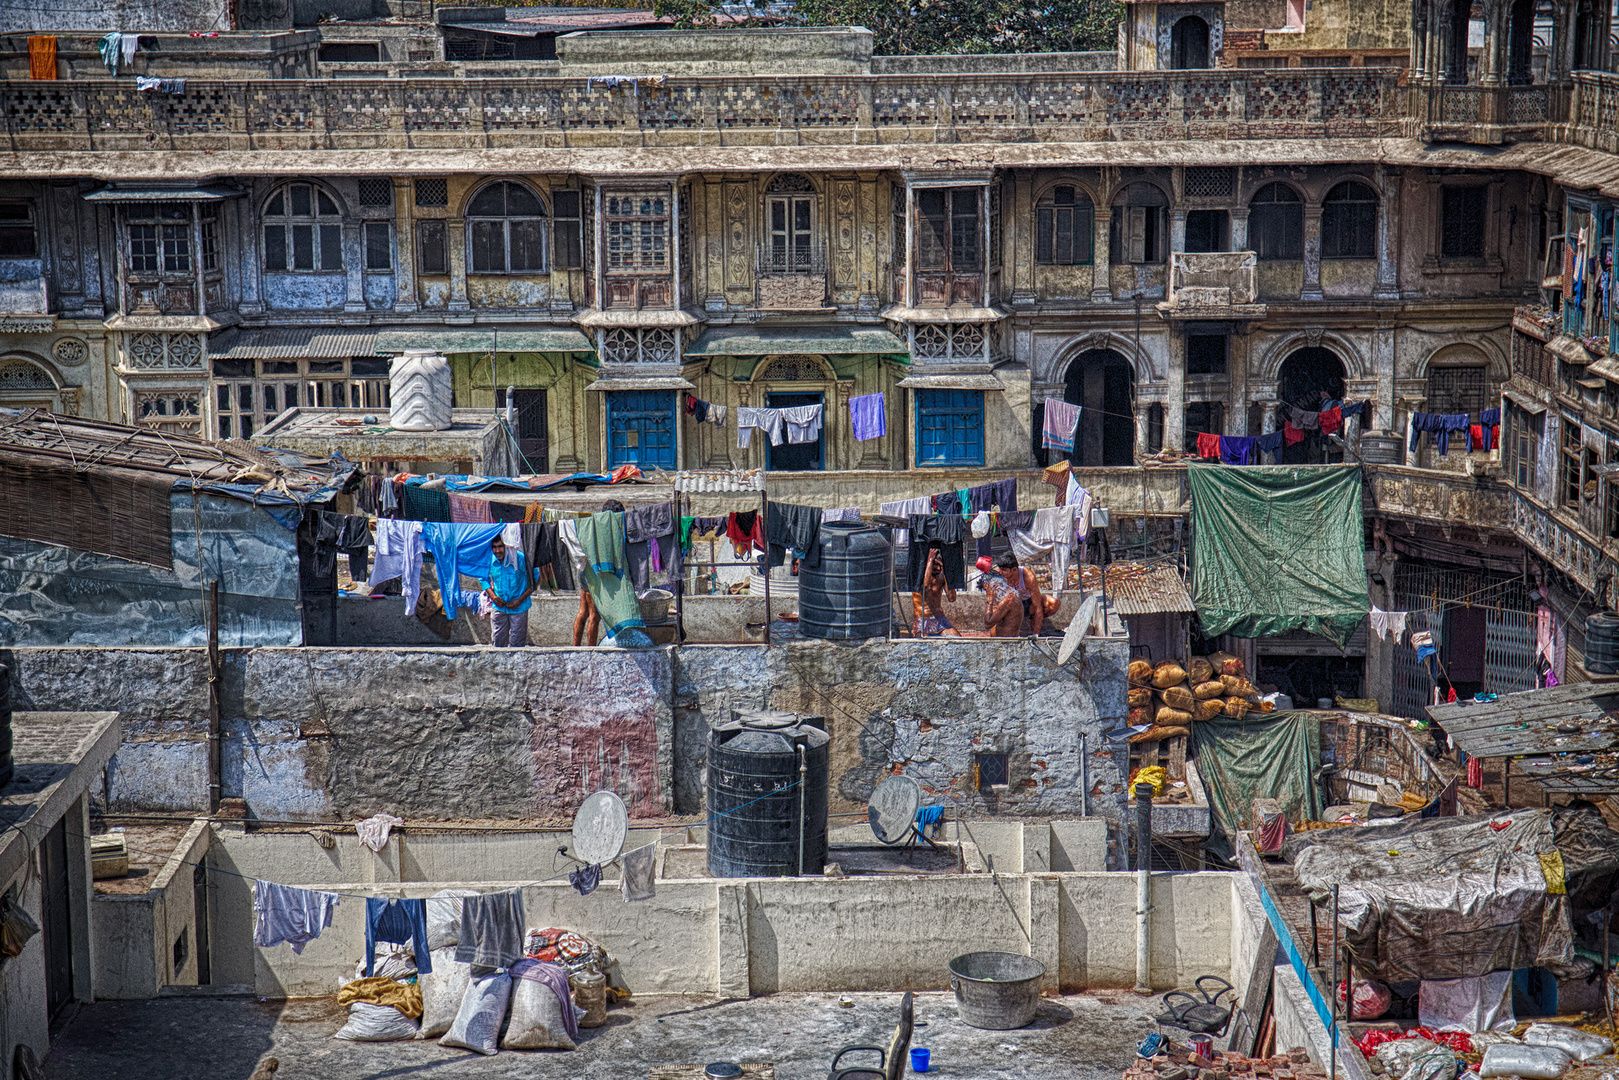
1278,548
1271,758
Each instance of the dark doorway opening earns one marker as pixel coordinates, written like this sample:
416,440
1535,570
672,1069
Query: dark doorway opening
1207,230
56,920
531,427
796,457
1309,378
1189,44
1101,383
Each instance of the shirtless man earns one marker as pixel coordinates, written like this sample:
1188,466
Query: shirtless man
928,604
1013,603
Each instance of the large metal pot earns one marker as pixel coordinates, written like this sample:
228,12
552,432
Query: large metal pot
996,990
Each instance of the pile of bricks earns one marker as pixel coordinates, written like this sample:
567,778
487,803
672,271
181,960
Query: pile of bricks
1179,1063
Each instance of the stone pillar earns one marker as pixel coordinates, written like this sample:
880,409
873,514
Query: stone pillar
1102,257
405,246
1269,424
247,258
1237,382
1177,230
842,448
353,265
1175,392
1489,63
1312,254
1021,233
1388,234
1383,367
456,233
1141,426
1239,229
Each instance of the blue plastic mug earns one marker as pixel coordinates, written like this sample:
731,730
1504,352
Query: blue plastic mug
919,1059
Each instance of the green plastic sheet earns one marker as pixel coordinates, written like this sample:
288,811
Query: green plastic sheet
1278,548
1271,758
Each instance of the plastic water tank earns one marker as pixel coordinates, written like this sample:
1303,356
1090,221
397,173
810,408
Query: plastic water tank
1381,448
763,822
846,596
419,390
1602,643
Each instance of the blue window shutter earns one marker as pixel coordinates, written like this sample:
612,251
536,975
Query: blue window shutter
949,427
641,428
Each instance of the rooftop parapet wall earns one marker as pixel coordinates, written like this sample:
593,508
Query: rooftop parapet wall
765,111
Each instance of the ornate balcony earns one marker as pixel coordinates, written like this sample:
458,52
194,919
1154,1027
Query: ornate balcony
1213,285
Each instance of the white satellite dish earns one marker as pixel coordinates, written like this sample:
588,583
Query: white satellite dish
599,829
892,808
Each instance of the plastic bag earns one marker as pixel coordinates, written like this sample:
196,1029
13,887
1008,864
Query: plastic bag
483,1010
391,962
1482,1003
16,926
1577,1044
1438,1064
376,1023
1483,1040
537,1022
444,917
1372,999
1530,1062
442,991
1396,1057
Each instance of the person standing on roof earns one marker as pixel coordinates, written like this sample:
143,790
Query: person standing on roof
507,587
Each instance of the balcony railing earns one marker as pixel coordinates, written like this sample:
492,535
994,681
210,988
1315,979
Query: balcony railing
1212,281
106,114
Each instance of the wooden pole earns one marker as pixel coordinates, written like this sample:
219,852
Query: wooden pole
213,697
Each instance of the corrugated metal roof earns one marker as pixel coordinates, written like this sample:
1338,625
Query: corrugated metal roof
1138,589
280,342
704,482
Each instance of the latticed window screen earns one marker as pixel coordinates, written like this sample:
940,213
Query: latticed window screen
1210,182
432,191
1458,390
1463,221
376,191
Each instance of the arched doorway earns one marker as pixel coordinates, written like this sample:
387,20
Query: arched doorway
794,381
1102,383
1590,35
25,385
1521,43
1189,44
1460,16
1308,378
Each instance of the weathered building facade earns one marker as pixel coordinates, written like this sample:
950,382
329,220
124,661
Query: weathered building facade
1194,235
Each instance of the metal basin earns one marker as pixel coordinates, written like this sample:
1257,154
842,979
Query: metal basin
996,990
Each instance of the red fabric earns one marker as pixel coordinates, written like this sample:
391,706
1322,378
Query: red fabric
691,404
1475,773
1332,420
625,472
1291,435
1208,445
1475,439
1450,699
745,530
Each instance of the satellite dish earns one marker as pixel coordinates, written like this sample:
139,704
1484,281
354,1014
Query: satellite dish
599,829
1078,627
892,809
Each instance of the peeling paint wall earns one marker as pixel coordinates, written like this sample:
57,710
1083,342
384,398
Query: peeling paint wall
441,734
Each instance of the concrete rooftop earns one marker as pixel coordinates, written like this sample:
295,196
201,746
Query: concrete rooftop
1076,1037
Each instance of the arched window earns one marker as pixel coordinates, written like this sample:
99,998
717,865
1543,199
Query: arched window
506,230
1349,222
790,220
1139,229
1276,223
1062,227
1189,44
303,230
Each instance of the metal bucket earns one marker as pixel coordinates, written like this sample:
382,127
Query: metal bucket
996,990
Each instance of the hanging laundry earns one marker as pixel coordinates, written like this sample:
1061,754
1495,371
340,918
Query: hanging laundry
1052,532
1475,772
373,831
491,929
42,57
868,417
1331,420
637,878
1208,446
745,532
1384,623
904,508
458,549
285,914
601,539
400,547
468,509
794,528
716,415
112,50
1062,420
584,879
1237,449
1271,442
1489,421
397,922
803,423
1291,436
842,513
1352,408
417,503
767,420
1306,419
948,532
1448,425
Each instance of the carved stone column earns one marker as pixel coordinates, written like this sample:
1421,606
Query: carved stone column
1269,425
404,237
1312,254
1388,235
1175,392
1101,268
843,444
456,228
353,265
1239,229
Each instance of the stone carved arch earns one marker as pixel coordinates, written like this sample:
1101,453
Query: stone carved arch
1468,353
793,367
1056,371
1356,364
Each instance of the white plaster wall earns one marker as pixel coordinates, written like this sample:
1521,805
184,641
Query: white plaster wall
23,1020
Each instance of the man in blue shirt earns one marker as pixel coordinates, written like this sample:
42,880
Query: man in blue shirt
507,587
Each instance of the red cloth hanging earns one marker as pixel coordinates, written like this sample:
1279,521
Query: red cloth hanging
1332,420
1291,435
1208,445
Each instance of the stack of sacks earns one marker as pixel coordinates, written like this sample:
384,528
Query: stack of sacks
1170,697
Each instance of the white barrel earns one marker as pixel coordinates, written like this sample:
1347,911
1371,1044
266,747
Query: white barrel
419,388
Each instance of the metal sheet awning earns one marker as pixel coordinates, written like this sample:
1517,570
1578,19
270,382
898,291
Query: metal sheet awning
450,340
1607,367
1147,590
963,381
815,340
1567,347
656,382
1558,720
1523,401
151,193
282,342
504,28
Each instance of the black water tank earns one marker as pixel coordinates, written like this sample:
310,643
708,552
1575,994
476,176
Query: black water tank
6,766
754,797
846,597
1602,644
